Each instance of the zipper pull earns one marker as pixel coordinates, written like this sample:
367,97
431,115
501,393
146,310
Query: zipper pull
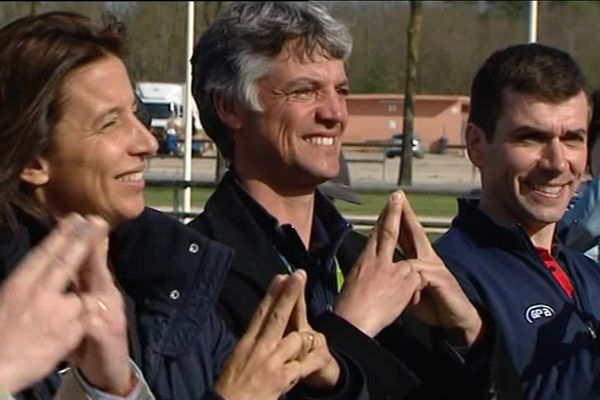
590,327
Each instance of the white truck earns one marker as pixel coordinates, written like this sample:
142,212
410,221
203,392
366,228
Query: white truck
164,102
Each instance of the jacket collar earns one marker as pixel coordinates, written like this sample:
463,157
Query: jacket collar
238,221
157,252
484,230
169,268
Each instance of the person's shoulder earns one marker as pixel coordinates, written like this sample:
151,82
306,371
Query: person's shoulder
580,260
201,222
452,239
159,237
156,224
460,252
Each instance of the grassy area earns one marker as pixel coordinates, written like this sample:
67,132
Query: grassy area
423,204
430,205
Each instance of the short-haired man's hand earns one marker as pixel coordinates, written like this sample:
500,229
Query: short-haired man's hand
271,357
377,290
441,301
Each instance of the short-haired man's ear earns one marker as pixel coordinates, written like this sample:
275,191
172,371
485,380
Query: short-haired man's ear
227,110
476,144
36,173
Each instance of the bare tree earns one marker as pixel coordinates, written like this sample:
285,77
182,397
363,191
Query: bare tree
413,38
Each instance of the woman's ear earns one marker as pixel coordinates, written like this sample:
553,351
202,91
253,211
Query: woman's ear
36,173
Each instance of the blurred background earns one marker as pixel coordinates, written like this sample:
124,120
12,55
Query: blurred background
454,38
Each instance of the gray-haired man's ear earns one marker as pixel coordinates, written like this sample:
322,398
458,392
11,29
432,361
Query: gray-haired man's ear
228,111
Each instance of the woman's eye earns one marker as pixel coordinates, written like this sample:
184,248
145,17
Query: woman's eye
108,124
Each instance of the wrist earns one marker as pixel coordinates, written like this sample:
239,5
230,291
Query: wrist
364,325
122,385
467,332
227,393
329,376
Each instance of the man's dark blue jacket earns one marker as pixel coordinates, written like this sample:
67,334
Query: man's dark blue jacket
173,275
551,339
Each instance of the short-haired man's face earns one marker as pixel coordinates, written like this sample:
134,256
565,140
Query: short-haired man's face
535,160
295,142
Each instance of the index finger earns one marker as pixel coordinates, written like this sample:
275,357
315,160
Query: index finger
95,274
412,239
388,225
299,316
278,317
265,306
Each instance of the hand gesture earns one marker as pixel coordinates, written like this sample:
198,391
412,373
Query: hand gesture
267,362
40,319
103,355
377,290
440,301
317,353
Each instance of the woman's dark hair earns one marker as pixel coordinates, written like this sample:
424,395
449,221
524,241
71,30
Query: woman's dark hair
37,54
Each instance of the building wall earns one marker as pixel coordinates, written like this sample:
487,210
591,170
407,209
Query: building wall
378,116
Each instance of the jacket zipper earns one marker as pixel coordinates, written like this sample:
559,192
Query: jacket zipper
589,326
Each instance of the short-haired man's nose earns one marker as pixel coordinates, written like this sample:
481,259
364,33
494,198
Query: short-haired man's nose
554,157
333,108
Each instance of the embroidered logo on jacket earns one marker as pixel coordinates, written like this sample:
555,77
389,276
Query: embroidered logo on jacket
538,311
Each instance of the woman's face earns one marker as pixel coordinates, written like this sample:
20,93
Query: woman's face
95,163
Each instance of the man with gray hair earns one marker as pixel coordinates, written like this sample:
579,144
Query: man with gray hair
270,83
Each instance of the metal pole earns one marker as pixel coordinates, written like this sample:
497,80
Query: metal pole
187,156
533,21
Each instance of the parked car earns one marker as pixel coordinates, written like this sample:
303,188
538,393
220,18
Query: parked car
395,147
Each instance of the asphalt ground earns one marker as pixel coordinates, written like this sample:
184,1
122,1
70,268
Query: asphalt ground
452,170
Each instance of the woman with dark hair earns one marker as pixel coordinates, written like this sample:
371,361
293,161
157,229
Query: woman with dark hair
70,141
33,68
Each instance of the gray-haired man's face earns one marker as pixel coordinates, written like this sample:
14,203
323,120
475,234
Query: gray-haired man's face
296,140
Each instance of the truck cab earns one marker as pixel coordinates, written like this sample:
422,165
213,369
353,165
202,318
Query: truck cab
164,102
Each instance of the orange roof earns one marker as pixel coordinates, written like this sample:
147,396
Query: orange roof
397,96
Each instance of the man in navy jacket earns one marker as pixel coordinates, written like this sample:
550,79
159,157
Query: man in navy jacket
527,135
